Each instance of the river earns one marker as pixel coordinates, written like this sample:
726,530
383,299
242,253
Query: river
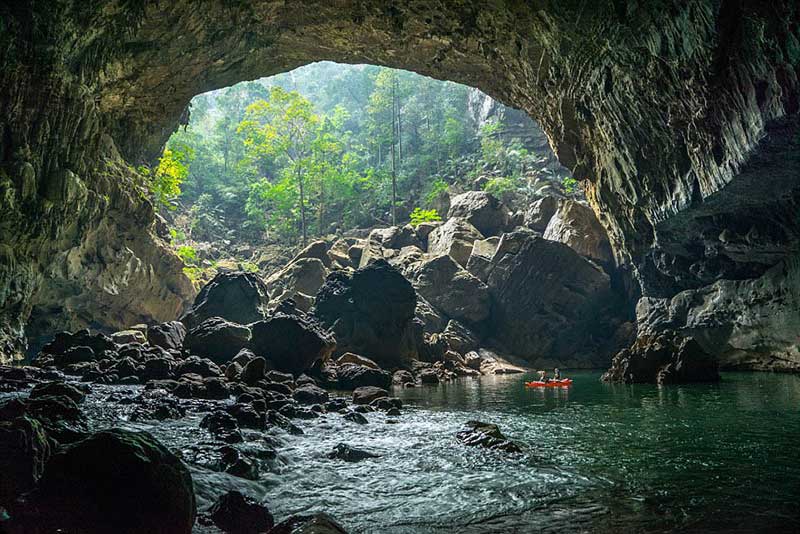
598,457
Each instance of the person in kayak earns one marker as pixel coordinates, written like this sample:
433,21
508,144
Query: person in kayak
543,376
556,374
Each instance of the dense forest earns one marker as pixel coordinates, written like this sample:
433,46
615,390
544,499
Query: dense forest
328,148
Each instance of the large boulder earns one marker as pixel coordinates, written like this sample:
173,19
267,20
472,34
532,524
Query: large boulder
319,523
371,312
303,275
666,358
450,288
486,435
238,297
24,451
432,320
167,335
482,210
538,215
479,263
550,305
238,514
394,237
353,376
114,481
576,225
64,341
459,338
454,238
291,343
217,339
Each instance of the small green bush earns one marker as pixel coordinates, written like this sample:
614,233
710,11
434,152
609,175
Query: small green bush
188,254
419,216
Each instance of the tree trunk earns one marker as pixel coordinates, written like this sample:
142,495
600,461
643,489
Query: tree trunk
394,174
302,204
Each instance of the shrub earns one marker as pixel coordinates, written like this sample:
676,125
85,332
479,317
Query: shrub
419,216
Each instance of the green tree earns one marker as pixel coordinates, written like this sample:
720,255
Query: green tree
282,127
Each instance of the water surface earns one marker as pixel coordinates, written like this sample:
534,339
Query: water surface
598,457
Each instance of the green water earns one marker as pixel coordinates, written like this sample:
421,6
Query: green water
704,457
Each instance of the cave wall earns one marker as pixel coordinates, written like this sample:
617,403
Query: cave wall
658,107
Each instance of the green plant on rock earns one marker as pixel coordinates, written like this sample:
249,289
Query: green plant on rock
500,187
187,254
419,216
570,184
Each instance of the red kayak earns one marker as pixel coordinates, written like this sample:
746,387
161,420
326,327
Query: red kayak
564,382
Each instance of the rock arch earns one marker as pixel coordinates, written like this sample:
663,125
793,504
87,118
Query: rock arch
657,106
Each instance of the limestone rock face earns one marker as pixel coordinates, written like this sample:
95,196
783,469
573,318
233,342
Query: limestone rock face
550,304
482,210
237,297
371,313
576,225
454,238
745,324
668,358
450,288
480,259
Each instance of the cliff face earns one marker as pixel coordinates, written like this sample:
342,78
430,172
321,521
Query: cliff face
680,117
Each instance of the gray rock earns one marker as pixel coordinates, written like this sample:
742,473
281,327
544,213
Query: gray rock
482,210
454,238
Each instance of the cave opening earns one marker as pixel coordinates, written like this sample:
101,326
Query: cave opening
278,320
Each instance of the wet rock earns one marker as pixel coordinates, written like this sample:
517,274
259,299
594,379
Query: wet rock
367,394
60,416
278,387
157,405
454,238
355,417
157,369
482,210
428,376
152,489
246,416
319,523
349,357
76,393
371,313
393,412
291,343
24,451
345,452
352,376
63,341
238,514
667,358
310,394
237,297
217,339
222,426
168,335
199,366
576,225
402,378
487,435
75,355
386,403
276,419
254,371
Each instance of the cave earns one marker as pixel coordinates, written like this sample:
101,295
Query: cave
681,121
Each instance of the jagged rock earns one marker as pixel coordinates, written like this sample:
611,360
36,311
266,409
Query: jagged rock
319,523
487,435
291,343
576,225
253,371
64,341
237,297
394,237
60,416
566,317
222,426
482,210
315,250
24,451
338,254
217,339
432,321
480,259
355,417
402,378
167,335
371,313
128,336
353,376
157,405
349,357
59,388
459,338
407,260
454,238
302,276
237,514
345,452
667,358
152,489
443,283
367,394
236,463
310,394
202,367
428,376
538,215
